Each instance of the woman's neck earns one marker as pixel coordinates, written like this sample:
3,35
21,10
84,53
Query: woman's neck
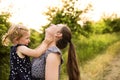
52,44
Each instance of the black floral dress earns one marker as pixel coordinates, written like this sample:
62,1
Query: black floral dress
20,68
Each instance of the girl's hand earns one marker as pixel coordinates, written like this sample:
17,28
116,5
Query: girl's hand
48,38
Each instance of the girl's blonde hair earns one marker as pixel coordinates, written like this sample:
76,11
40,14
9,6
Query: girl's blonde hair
14,32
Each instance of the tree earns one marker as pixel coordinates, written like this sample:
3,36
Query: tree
4,25
35,38
69,15
112,23
4,51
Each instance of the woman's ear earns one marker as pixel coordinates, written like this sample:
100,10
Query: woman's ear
59,35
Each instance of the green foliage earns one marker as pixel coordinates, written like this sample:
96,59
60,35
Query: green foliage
99,27
88,48
4,51
112,24
88,28
4,67
69,15
35,38
89,39
4,25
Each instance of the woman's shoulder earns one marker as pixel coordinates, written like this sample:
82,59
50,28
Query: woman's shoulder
54,49
56,53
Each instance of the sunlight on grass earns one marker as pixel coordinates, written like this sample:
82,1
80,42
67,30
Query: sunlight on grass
88,48
93,69
93,54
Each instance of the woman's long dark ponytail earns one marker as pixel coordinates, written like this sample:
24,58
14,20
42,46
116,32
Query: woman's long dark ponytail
72,65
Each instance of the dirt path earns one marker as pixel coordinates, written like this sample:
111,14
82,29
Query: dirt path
105,66
112,70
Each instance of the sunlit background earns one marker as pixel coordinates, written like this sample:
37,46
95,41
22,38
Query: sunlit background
30,12
97,43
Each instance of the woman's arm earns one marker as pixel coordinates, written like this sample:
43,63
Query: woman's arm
52,67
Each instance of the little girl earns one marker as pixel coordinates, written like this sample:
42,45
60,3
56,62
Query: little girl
20,65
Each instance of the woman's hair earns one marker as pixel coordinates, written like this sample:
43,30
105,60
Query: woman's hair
72,65
14,32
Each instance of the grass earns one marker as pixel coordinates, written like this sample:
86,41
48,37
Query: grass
93,69
93,53
89,49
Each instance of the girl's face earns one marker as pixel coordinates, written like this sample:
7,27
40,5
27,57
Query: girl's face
25,39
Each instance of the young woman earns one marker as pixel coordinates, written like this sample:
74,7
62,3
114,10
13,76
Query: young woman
20,65
47,66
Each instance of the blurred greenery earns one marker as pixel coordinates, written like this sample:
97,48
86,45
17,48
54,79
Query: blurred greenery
90,39
69,15
4,51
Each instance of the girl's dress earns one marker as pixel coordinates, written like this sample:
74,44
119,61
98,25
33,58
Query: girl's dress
38,64
20,68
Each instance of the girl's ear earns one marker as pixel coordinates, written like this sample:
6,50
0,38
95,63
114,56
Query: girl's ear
15,40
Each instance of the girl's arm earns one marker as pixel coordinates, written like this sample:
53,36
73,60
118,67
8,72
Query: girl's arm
34,52
52,67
